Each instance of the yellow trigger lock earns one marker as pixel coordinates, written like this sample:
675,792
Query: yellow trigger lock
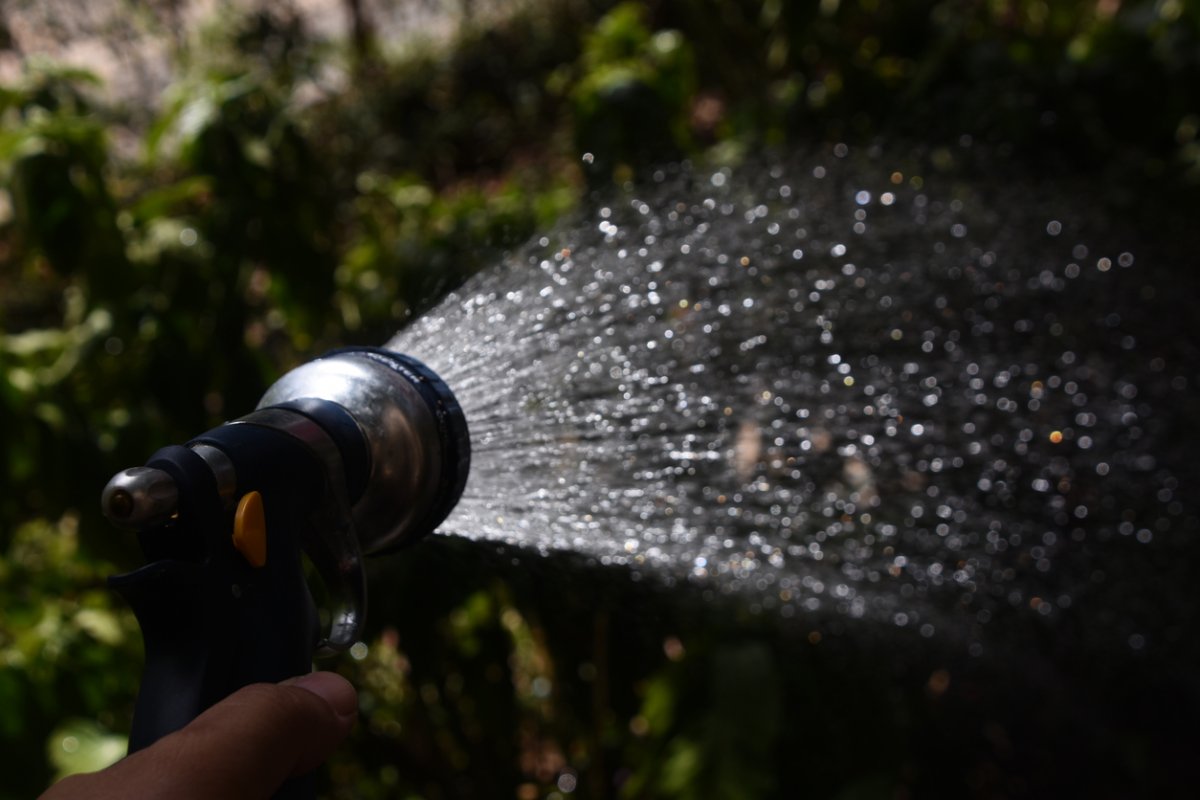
250,529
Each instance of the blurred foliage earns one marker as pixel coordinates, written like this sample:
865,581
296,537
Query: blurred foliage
632,93
288,195
66,650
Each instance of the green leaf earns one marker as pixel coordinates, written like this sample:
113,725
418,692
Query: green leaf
83,746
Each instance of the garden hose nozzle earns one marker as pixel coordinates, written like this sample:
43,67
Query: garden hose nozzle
359,451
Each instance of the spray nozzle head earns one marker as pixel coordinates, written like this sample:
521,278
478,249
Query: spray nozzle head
417,449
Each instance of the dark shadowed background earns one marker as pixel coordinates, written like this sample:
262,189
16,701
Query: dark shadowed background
196,196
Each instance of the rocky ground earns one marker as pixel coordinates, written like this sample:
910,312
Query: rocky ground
135,47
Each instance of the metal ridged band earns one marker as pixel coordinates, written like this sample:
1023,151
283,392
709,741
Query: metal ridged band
453,433
415,433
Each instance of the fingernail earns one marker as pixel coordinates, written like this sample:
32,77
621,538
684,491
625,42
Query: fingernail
332,688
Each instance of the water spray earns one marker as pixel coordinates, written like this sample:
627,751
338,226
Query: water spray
355,453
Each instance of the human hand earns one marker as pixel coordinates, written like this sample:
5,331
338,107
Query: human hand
243,748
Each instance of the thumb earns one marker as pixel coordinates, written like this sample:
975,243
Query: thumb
244,747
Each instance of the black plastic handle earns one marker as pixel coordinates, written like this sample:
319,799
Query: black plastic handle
212,622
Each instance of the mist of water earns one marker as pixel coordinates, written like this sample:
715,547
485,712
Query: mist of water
845,385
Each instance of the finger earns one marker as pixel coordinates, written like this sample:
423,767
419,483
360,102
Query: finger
242,748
